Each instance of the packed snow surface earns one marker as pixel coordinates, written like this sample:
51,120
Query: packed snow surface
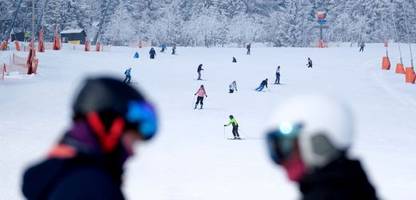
190,158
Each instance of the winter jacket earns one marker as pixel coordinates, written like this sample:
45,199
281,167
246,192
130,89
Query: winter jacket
201,92
342,179
233,122
199,68
152,51
76,169
67,179
127,72
264,83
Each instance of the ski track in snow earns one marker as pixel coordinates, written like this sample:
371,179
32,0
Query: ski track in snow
191,157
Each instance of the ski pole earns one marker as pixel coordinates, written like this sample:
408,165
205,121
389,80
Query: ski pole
224,132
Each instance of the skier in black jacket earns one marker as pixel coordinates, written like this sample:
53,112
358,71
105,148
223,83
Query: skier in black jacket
152,53
87,163
199,70
309,138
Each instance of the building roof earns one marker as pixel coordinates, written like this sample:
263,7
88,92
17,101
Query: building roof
68,31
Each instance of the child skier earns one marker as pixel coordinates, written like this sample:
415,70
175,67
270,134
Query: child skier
262,85
152,53
233,87
128,76
309,63
199,71
234,123
200,96
277,81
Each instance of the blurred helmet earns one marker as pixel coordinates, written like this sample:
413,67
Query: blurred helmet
320,126
103,101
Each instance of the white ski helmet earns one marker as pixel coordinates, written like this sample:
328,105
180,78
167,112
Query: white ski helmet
326,127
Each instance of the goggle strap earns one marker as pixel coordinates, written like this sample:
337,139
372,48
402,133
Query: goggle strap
108,140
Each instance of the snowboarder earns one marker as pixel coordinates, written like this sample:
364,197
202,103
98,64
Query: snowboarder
277,81
234,60
248,47
233,87
109,119
199,71
234,123
309,63
309,137
362,45
262,85
152,53
128,76
200,96
174,49
163,46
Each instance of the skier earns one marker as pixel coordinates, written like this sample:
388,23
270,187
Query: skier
152,53
233,87
309,137
277,81
309,63
199,71
262,85
234,60
174,49
234,123
362,45
109,118
248,47
163,46
200,96
128,76
136,55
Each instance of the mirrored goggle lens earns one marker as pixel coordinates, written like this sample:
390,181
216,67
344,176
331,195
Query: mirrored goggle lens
145,116
281,142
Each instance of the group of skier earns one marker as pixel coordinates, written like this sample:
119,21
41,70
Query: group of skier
152,52
309,137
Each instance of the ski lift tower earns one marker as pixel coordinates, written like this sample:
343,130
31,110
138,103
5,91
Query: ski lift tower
321,19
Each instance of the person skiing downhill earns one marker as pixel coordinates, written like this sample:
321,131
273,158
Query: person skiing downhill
362,45
152,53
309,63
262,85
309,137
233,87
277,81
199,71
109,117
234,60
128,76
174,49
200,96
234,123
248,47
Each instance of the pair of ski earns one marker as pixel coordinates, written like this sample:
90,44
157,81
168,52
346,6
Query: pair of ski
235,138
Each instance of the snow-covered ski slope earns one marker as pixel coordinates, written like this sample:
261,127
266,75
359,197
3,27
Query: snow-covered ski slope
191,157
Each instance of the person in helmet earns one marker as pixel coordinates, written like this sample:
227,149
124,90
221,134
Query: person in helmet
109,117
234,123
309,137
201,93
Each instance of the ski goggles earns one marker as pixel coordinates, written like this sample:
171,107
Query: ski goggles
144,115
282,141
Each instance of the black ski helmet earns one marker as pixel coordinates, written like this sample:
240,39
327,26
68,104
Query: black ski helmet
110,95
